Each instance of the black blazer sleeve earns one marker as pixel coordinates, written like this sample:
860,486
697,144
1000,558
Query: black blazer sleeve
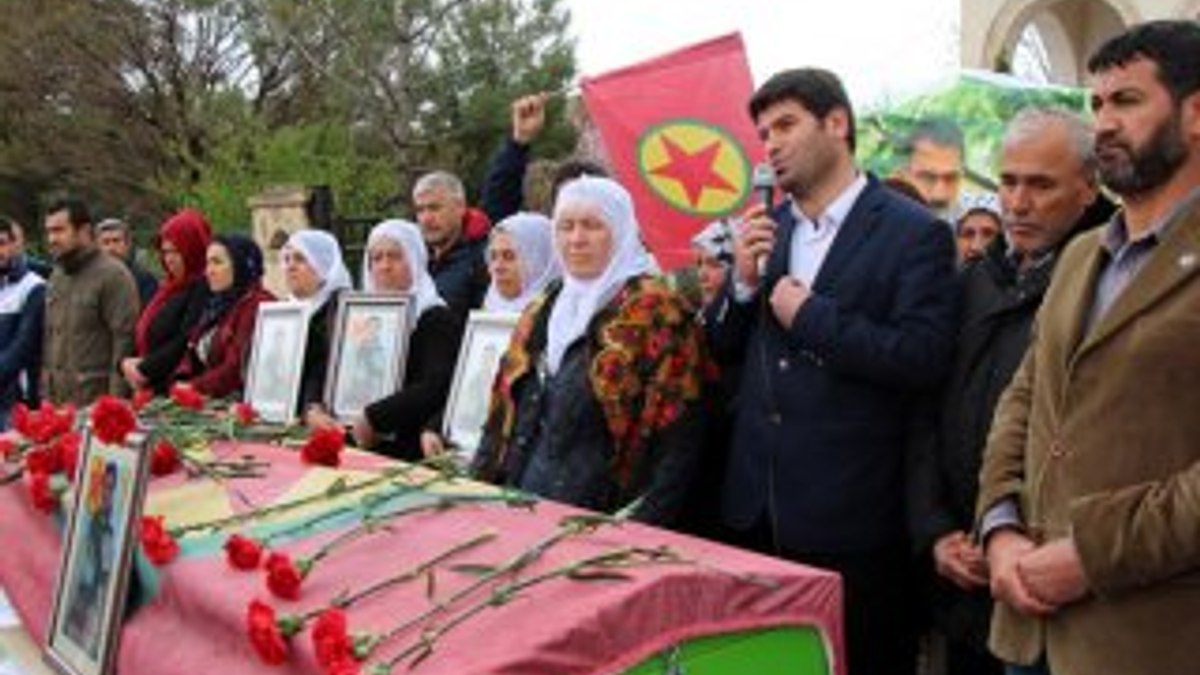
169,334
433,350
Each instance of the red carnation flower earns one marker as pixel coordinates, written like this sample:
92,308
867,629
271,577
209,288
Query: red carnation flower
21,419
244,413
332,643
324,447
112,420
284,576
67,449
243,553
187,397
44,498
8,448
58,421
266,634
164,459
141,398
347,667
42,459
160,547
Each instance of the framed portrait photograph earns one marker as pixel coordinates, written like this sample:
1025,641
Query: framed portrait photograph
369,351
277,360
94,575
484,342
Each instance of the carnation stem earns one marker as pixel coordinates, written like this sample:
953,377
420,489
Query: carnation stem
412,573
336,489
568,527
603,563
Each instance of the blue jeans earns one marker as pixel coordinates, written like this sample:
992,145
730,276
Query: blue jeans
1039,668
4,415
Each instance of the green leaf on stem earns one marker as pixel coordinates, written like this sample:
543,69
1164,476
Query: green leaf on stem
474,569
597,575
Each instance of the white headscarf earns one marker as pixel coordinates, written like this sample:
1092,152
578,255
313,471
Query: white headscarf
533,235
323,254
580,299
408,236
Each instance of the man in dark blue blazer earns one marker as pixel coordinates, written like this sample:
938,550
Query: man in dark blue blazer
842,314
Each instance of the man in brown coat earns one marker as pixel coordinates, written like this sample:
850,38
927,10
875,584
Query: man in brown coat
1090,489
91,308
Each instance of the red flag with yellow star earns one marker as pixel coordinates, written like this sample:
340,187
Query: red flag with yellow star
679,138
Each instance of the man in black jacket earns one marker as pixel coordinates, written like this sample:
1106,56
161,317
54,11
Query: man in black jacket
456,261
850,317
1047,194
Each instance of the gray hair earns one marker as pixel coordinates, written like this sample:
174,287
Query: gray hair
443,180
114,225
1032,122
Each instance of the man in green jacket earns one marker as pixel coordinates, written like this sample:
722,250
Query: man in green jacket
91,309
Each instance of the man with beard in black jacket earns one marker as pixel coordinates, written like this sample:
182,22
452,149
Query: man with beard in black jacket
1048,194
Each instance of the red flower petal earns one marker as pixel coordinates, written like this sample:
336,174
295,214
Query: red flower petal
265,635
160,547
324,447
187,397
112,420
164,459
243,553
283,576
44,498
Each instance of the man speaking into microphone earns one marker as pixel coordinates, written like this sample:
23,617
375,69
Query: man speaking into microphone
850,321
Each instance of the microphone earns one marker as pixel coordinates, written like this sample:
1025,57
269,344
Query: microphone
763,182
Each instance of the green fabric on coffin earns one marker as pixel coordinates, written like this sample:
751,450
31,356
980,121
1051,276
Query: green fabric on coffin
777,651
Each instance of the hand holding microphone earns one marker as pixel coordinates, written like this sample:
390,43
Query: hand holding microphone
756,238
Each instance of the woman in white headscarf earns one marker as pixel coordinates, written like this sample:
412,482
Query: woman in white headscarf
396,262
521,261
597,398
315,274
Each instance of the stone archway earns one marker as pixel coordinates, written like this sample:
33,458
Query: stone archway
1068,30
1189,9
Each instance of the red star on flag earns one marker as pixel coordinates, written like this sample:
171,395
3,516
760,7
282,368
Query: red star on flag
693,171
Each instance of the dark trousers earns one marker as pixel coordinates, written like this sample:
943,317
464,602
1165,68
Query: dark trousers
964,659
880,600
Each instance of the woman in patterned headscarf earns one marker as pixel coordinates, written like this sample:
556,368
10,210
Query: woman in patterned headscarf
162,328
597,398
219,345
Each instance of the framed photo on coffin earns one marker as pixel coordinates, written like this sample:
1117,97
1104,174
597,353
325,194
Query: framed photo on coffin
93,577
484,342
277,360
370,349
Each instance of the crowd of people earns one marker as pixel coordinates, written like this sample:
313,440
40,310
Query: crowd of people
976,412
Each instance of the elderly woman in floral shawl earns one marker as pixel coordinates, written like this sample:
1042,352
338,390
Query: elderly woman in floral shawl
597,398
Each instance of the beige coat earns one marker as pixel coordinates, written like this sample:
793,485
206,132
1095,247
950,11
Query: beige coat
91,309
1098,435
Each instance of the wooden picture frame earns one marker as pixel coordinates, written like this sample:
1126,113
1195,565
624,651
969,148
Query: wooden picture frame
96,565
369,351
484,341
273,377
